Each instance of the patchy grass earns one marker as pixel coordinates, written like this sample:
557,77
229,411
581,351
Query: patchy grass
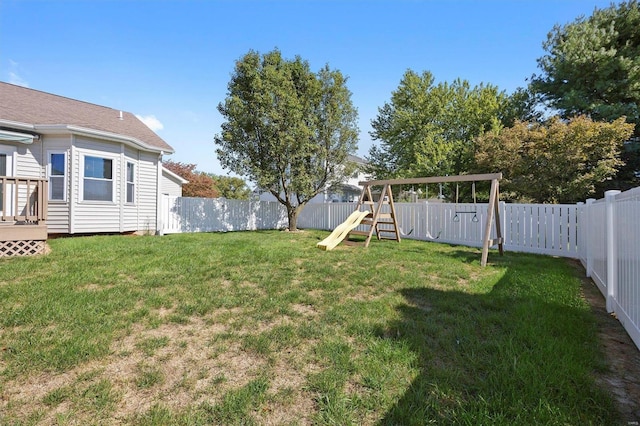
263,328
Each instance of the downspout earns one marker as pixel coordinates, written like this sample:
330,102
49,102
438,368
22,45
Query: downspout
43,175
43,169
159,196
123,186
136,200
72,194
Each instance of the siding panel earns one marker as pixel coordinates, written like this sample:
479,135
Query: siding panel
171,187
147,191
58,218
28,158
92,216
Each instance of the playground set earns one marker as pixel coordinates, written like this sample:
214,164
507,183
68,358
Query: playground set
376,218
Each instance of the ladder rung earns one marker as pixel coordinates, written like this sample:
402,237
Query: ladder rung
381,237
365,233
367,222
384,215
353,243
385,222
388,231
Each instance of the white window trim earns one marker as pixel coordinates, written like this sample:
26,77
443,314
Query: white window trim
65,177
127,182
10,152
114,163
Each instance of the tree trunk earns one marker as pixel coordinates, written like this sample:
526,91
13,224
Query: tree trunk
292,214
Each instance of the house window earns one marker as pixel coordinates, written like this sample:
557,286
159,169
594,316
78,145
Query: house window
98,179
131,186
57,176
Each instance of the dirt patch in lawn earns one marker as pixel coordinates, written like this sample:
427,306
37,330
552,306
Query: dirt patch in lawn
622,379
175,366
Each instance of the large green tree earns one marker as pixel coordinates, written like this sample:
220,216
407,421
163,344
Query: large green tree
554,162
428,129
592,67
521,105
231,187
287,129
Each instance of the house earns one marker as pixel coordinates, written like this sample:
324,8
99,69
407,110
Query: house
172,183
72,167
347,191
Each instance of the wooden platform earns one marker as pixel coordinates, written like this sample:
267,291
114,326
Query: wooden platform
22,240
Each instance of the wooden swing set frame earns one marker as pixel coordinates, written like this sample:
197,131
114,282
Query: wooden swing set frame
385,225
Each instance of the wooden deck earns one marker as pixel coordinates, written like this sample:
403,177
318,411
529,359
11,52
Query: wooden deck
23,215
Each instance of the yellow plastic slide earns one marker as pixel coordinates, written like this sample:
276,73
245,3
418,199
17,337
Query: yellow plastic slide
342,230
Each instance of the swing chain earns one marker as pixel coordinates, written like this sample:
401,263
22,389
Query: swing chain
474,219
456,218
475,209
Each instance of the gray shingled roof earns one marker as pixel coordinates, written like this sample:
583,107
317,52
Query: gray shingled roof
32,107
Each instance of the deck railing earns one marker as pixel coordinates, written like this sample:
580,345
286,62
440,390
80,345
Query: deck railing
23,199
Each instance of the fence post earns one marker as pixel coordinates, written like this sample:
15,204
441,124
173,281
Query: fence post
328,216
612,261
503,218
161,217
581,248
584,235
426,230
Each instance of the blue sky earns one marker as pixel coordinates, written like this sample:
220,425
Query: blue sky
170,61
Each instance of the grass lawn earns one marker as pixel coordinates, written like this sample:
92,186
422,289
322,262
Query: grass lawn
264,328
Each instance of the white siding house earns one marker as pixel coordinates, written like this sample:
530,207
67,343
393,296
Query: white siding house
172,183
346,192
104,166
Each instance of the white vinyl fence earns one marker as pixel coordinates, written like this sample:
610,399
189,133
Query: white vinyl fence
187,214
610,252
534,228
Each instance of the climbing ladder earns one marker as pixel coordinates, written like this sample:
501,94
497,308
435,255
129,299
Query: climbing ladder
383,223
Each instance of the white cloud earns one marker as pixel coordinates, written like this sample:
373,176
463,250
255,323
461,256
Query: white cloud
151,121
14,77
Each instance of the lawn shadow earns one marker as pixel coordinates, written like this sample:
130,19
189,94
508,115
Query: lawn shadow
519,354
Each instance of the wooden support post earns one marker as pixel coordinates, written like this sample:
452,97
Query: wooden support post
498,221
394,217
492,213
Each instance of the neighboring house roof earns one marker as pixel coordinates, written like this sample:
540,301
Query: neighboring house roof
345,187
26,109
174,176
356,159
